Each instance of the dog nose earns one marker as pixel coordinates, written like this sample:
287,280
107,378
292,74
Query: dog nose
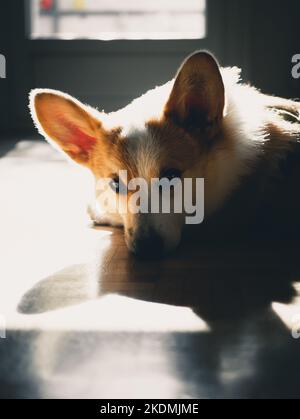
150,246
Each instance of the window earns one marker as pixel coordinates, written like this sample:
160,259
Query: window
118,19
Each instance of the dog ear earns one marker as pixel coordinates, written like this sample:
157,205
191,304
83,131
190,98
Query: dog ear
198,97
66,122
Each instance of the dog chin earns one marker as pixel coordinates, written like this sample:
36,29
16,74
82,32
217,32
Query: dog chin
169,242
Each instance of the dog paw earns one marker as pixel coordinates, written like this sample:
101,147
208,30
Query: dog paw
100,218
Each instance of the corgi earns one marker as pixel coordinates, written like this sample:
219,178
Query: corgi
204,124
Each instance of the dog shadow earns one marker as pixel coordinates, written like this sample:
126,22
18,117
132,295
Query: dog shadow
248,351
219,282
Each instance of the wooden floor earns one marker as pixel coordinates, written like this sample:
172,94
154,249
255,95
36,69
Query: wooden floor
84,318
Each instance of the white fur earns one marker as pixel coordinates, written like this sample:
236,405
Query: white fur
242,121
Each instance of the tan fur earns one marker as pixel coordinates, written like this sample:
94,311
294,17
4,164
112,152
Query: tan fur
204,123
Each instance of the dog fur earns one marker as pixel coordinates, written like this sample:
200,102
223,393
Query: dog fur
205,123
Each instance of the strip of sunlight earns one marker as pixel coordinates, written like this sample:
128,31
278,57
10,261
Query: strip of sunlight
113,313
289,313
44,226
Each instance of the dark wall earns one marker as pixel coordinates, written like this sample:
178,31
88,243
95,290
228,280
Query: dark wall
14,89
6,86
259,36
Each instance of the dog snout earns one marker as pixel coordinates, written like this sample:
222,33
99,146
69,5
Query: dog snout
148,246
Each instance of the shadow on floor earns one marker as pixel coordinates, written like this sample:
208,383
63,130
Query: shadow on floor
218,282
248,351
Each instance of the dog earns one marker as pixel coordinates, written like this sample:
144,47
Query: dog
204,124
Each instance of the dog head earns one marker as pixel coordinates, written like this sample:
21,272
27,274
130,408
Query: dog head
169,133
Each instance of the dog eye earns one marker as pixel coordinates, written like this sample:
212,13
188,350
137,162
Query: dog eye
115,184
171,174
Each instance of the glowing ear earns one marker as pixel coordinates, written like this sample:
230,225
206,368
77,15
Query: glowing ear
65,121
198,96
